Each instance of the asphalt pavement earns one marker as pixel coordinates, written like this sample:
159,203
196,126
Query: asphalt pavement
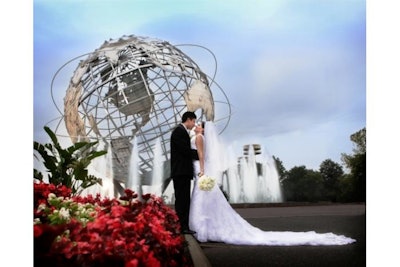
344,219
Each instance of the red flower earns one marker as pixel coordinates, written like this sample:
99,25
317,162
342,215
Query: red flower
37,230
132,263
130,234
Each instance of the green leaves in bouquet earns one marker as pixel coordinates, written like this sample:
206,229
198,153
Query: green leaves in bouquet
67,166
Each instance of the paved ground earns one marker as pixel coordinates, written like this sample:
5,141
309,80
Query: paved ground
346,219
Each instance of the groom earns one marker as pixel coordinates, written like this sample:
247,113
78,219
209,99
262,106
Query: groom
182,156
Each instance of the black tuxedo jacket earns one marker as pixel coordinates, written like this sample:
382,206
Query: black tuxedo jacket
182,155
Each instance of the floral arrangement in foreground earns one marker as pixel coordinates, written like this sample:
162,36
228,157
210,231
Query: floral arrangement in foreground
206,183
90,231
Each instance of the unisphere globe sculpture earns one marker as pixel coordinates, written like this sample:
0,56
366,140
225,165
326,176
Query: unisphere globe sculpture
138,87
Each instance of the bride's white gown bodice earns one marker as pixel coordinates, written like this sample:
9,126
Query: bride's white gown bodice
213,219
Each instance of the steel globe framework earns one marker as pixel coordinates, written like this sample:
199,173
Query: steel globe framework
138,87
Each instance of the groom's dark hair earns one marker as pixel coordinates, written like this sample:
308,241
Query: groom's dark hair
188,115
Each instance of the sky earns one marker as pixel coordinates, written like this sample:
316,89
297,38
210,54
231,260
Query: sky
294,71
303,62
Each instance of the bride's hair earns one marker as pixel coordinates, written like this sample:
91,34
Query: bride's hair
202,123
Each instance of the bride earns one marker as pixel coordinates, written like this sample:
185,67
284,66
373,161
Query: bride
212,217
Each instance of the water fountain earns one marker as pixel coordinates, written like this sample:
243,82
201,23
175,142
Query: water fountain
248,178
157,175
102,167
133,181
251,178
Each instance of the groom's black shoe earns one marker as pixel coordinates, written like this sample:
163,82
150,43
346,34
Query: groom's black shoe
188,232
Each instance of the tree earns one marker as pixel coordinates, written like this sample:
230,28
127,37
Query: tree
281,169
357,164
345,189
331,172
67,166
302,184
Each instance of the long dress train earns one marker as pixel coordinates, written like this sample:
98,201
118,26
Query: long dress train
213,218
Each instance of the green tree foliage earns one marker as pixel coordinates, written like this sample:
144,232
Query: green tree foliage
67,166
357,164
303,184
346,189
281,169
330,183
331,173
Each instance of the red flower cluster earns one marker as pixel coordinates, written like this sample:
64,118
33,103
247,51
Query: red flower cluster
125,232
42,190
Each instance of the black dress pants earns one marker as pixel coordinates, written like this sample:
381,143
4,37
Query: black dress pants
182,199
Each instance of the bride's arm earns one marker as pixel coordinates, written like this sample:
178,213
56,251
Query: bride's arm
200,152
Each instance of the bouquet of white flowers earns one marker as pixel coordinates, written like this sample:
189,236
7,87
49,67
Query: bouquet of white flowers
206,183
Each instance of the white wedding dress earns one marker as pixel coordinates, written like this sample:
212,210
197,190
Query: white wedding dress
213,219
